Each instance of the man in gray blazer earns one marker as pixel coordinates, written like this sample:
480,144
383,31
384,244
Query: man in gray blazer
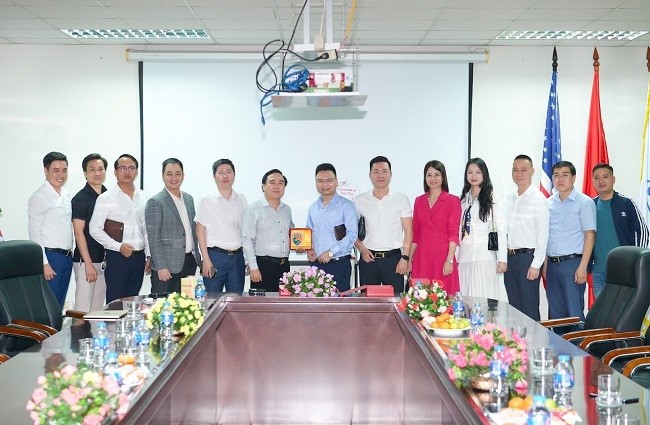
169,216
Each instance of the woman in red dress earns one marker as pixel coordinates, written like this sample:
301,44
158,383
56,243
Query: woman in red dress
436,223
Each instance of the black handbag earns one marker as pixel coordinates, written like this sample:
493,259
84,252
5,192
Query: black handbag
362,228
493,238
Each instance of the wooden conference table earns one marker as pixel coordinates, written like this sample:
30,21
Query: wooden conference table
270,360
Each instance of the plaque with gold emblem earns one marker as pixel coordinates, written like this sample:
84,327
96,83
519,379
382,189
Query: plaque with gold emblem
300,238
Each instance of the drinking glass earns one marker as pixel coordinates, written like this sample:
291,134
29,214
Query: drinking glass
520,330
86,351
628,419
609,391
542,363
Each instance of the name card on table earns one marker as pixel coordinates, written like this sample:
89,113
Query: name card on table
187,286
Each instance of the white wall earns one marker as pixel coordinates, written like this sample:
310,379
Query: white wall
510,100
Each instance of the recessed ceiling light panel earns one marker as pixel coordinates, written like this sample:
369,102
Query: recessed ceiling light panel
143,33
570,35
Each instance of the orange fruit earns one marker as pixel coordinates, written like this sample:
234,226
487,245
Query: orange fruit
444,325
528,402
517,403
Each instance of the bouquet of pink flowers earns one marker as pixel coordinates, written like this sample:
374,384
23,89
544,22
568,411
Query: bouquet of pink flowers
76,396
311,282
425,300
469,358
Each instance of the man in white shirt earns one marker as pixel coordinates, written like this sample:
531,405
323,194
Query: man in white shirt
389,230
218,228
527,238
124,203
171,232
49,211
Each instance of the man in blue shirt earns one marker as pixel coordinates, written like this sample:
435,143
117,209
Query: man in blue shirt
572,231
618,220
333,220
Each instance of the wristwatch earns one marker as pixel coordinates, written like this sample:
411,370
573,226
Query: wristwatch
450,261
405,257
331,254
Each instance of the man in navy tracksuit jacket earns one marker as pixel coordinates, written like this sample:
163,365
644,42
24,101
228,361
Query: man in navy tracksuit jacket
618,221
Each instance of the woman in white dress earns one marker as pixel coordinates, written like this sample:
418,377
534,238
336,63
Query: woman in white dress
480,270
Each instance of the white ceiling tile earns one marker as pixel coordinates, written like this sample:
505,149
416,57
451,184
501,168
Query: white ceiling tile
492,4
56,41
481,14
582,4
152,12
25,33
384,42
11,12
475,25
636,4
618,25
627,14
399,14
24,23
462,35
524,25
87,23
243,24
524,43
260,35
565,15
234,13
143,3
397,35
592,43
234,3
375,25
177,23
58,2
69,12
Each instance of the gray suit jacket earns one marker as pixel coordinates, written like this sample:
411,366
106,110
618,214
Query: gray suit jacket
166,233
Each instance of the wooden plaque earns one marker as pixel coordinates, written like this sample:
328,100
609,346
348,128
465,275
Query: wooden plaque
300,238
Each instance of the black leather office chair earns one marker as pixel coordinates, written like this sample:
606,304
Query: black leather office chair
622,304
29,311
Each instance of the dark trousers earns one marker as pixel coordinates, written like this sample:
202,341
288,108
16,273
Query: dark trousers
173,284
123,275
523,294
565,297
271,271
341,269
230,272
382,271
62,266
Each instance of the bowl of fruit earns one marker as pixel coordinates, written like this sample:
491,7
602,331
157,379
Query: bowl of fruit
446,326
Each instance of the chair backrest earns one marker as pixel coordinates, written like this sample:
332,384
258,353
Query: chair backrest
24,292
623,302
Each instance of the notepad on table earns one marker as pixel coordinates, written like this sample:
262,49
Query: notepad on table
105,315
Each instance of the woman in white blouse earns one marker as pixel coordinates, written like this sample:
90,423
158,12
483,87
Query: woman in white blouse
481,270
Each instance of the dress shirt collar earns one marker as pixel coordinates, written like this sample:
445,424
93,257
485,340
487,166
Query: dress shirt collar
174,197
335,200
265,203
88,188
572,195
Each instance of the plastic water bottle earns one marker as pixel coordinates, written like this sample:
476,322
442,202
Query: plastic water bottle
101,344
563,381
167,323
458,306
112,368
142,339
498,370
539,414
199,292
476,317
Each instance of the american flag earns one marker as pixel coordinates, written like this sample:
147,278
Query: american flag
552,151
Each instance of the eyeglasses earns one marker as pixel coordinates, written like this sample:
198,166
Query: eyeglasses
321,181
124,168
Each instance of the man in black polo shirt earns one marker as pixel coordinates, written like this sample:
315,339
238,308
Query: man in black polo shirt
88,253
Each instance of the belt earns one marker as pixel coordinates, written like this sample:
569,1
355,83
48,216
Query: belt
386,254
66,252
136,252
563,258
521,251
345,257
276,260
227,251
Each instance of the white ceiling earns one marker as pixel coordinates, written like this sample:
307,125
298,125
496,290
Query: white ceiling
375,23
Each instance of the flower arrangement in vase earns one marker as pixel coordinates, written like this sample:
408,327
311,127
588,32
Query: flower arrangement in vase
188,313
471,358
72,395
423,300
311,282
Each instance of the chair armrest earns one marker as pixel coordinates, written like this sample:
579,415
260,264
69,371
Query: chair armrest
22,333
41,327
4,358
565,321
587,332
633,365
611,336
615,354
75,314
28,328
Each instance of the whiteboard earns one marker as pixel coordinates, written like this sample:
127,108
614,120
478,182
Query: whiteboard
200,112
